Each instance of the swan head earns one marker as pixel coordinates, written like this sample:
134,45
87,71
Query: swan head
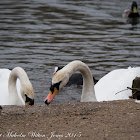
59,80
29,95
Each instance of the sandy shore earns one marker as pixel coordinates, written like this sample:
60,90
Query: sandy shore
116,120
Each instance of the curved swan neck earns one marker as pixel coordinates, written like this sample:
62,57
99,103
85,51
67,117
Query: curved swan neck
88,93
24,80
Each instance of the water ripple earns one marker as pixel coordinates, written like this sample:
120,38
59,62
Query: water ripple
39,35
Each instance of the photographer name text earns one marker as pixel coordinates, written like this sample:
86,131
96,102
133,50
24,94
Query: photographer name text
40,134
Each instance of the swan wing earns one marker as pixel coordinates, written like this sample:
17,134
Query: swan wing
116,81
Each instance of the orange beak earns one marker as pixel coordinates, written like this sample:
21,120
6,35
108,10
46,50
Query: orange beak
50,96
27,103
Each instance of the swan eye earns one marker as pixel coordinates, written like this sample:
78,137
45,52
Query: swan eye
55,86
29,101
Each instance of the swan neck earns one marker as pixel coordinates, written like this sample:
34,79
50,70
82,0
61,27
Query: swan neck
88,93
14,75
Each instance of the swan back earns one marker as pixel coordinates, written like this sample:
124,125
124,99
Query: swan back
116,81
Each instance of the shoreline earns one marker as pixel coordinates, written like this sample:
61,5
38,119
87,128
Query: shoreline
83,121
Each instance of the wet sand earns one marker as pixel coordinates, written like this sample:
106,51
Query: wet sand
113,120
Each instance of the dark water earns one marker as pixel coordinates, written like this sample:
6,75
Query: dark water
41,34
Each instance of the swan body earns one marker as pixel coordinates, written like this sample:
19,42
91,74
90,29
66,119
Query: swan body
104,90
15,87
114,82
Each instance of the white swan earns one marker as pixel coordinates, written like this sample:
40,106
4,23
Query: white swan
12,92
105,89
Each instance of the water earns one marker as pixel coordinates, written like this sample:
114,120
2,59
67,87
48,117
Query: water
39,35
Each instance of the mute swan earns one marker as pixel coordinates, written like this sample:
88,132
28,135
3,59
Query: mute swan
131,13
105,89
9,94
75,78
